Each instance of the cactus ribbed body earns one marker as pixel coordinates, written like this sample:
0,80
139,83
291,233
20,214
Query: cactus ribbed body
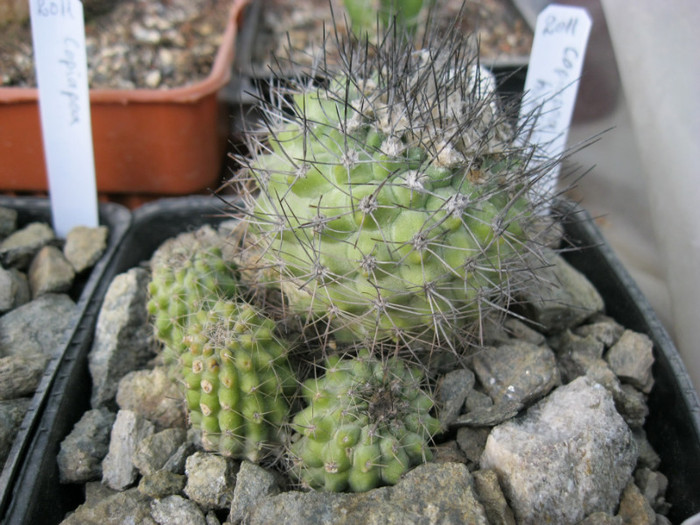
187,281
237,380
393,198
367,422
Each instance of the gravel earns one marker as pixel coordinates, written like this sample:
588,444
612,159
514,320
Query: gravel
159,44
131,43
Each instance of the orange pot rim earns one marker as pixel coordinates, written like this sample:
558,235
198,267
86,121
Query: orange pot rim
218,77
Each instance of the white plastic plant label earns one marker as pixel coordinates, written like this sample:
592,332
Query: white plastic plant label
58,35
551,86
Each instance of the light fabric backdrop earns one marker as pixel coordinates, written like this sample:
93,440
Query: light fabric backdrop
642,79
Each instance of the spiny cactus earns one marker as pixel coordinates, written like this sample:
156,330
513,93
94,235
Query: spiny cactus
237,380
392,200
189,273
367,422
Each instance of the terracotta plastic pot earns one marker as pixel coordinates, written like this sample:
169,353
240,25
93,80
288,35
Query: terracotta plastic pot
146,141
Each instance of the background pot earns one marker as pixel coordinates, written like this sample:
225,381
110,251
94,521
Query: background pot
86,292
146,141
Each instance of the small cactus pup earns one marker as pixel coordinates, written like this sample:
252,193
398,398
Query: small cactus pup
392,201
366,423
188,273
237,380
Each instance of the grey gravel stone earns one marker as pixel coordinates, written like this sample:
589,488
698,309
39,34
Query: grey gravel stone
176,510
12,413
472,442
154,451
563,297
477,400
569,456
517,329
578,355
449,452
40,326
154,395
652,484
491,497
18,249
569,344
120,508
50,272
631,358
20,375
14,289
632,405
253,483
162,483
517,372
123,337
581,356
603,328
8,221
178,460
210,480
118,470
648,457
601,518
489,416
452,393
84,246
96,491
82,451
634,508
431,493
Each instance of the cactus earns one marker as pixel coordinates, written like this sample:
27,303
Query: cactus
188,274
365,15
237,380
367,422
392,200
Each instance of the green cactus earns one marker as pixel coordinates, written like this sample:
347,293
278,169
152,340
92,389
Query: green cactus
364,15
188,274
367,422
237,380
393,199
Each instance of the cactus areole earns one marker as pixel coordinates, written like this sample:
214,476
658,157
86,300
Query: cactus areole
392,200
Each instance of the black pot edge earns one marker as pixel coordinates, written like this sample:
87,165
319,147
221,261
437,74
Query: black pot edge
38,496
673,401
673,426
38,209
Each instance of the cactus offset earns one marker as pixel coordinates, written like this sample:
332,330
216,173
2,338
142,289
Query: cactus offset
393,199
188,273
237,380
367,422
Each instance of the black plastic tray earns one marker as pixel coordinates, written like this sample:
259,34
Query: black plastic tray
85,291
38,497
673,425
